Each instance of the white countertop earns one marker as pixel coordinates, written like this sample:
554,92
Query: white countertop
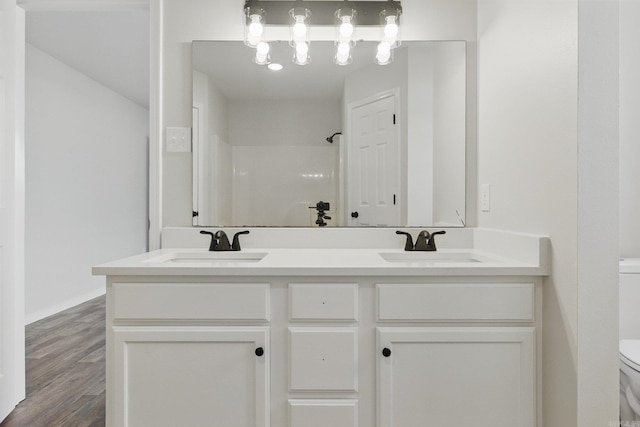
630,265
320,262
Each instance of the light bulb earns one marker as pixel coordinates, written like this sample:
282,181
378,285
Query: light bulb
383,55
261,58
301,58
391,28
346,27
344,48
299,28
343,53
262,53
302,54
384,48
255,28
263,48
254,31
299,31
342,59
302,48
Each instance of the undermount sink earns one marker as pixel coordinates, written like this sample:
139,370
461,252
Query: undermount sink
424,257
208,257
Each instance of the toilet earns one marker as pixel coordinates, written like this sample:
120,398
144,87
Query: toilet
629,341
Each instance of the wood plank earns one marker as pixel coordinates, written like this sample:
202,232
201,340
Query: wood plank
65,359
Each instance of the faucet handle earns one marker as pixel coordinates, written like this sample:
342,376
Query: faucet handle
408,246
214,243
431,244
235,246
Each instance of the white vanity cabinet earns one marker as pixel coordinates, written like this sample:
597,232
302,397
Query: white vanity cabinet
450,375
317,337
191,354
341,351
323,341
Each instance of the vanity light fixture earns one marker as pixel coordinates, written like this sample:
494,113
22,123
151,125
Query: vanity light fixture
274,66
300,15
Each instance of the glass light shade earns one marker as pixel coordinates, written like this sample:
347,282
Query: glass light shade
262,54
343,54
384,53
301,54
345,22
390,21
253,23
299,27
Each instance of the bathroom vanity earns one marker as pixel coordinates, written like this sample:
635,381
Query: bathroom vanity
328,336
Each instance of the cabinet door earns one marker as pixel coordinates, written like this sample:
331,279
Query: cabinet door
191,376
451,377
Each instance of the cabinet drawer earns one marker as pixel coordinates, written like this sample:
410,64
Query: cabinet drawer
456,301
197,301
323,359
328,301
323,412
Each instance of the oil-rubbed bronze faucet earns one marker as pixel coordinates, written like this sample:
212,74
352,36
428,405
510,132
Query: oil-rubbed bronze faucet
220,241
424,242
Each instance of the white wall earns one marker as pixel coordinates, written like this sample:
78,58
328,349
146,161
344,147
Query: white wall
12,343
629,128
449,128
212,149
527,152
251,151
552,171
420,110
281,158
86,183
598,206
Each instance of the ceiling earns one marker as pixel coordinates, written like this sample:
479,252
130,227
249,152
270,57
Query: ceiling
229,66
111,47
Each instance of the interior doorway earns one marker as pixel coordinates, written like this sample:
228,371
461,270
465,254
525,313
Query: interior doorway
373,162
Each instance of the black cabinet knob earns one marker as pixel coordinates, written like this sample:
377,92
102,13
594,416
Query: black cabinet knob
259,351
386,352
354,214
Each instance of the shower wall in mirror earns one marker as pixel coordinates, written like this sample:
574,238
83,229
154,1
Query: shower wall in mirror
264,154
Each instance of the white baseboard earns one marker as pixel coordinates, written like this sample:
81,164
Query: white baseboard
57,308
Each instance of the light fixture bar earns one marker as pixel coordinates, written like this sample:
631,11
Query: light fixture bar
323,12
344,16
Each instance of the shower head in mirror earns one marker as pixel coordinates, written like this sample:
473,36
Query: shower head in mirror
330,139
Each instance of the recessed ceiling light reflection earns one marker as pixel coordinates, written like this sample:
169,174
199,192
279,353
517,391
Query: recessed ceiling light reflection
274,66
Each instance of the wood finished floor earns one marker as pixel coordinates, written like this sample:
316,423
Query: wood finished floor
65,363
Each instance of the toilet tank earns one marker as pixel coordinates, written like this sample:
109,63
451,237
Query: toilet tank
630,298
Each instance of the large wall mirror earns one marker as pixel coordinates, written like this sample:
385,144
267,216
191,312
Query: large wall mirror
378,145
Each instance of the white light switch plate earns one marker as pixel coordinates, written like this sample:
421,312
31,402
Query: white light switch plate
178,140
485,197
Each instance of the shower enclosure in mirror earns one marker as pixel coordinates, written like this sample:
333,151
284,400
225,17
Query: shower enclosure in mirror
377,145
